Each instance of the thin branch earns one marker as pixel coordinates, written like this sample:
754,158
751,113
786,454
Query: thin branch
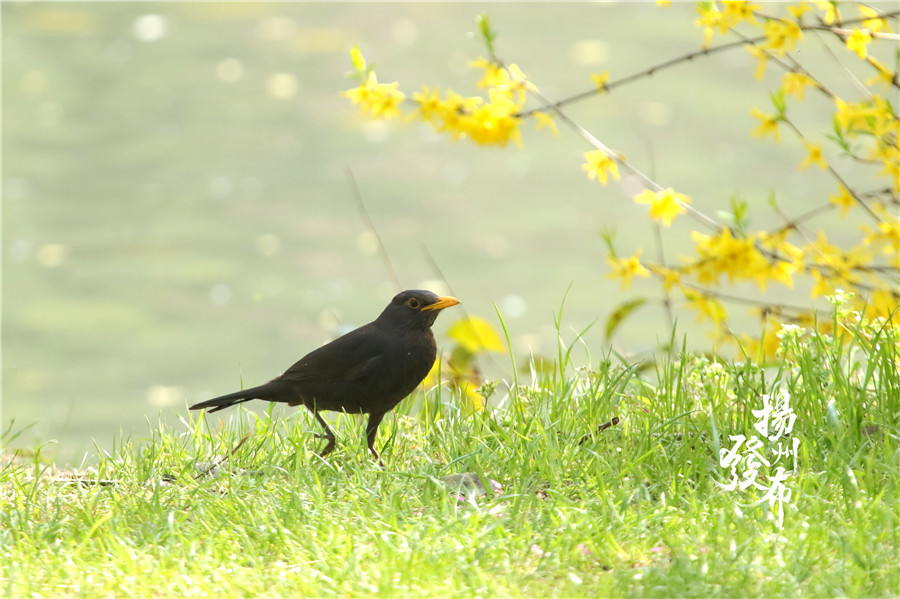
744,300
647,181
630,78
875,34
837,176
361,206
660,250
440,274
684,58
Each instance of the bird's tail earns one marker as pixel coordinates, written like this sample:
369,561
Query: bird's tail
232,399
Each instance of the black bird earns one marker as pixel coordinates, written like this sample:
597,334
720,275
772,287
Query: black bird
367,371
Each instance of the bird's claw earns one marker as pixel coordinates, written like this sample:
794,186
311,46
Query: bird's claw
328,448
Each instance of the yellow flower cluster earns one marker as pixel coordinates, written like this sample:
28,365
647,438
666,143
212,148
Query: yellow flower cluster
733,13
871,116
866,131
885,236
768,258
380,100
832,267
494,120
781,36
706,306
739,259
786,259
873,119
760,259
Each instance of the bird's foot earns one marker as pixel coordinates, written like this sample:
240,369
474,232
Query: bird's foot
328,448
377,457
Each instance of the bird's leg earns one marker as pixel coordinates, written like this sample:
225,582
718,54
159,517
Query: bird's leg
372,428
329,434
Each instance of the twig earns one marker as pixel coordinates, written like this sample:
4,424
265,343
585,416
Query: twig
647,181
600,429
371,226
685,58
440,274
84,482
837,176
214,465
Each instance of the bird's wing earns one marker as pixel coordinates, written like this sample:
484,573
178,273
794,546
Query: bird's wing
346,358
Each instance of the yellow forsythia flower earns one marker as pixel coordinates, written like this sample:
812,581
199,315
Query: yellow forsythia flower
798,10
707,307
600,80
736,257
600,165
769,125
842,200
882,304
739,10
814,156
495,122
429,102
795,83
664,205
382,100
763,58
786,261
832,266
626,268
822,285
781,36
670,276
885,76
887,233
873,22
710,18
545,120
494,75
476,334
858,42
830,9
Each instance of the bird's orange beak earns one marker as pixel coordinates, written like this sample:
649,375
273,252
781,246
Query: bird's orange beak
442,302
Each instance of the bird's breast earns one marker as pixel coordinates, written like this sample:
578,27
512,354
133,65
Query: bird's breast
419,357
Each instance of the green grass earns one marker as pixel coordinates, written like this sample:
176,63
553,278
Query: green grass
635,510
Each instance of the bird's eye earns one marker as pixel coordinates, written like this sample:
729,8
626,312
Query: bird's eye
413,303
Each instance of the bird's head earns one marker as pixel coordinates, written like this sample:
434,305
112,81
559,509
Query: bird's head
415,309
